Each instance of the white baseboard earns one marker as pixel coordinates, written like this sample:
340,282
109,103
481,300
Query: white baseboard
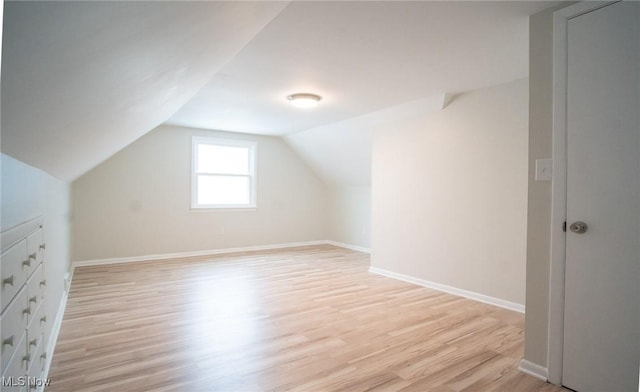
534,370
450,289
210,252
53,338
349,246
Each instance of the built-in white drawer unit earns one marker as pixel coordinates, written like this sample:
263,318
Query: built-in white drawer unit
23,317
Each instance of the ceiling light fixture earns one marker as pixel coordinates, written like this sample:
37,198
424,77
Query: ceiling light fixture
304,100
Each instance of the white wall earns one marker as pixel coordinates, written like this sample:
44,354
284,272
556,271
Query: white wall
449,193
27,193
138,202
350,215
539,198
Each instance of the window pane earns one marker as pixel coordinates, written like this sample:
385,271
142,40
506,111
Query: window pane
222,159
223,190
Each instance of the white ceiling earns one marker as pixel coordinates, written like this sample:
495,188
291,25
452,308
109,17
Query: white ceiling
362,57
81,80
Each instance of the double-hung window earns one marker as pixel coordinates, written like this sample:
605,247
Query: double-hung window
223,173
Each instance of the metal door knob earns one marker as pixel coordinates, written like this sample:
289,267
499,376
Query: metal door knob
578,227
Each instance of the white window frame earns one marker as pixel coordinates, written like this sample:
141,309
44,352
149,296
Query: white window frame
251,145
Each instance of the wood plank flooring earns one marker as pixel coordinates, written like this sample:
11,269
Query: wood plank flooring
299,319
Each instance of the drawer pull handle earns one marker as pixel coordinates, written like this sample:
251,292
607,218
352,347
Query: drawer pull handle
33,299
27,263
32,255
43,319
8,281
27,311
43,283
43,246
8,341
34,342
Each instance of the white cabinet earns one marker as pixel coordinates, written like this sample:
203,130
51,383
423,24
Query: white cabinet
23,318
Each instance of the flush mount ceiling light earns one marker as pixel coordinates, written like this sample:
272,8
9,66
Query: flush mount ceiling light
304,100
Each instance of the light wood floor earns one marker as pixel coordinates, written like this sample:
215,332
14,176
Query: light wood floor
300,319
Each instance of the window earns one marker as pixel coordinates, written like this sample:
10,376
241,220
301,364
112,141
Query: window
223,173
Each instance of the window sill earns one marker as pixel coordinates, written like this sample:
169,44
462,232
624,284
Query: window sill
224,209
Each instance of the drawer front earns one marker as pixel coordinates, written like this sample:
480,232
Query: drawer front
43,322
13,325
14,271
36,328
35,247
36,362
16,371
35,288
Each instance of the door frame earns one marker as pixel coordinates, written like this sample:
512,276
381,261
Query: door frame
555,330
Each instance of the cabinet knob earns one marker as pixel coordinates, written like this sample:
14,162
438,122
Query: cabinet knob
27,311
8,341
26,360
34,342
33,299
43,356
43,319
27,263
43,283
43,246
32,255
8,281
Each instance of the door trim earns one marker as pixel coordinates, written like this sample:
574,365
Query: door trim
555,330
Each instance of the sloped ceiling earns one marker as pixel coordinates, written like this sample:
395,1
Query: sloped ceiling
81,80
340,152
362,57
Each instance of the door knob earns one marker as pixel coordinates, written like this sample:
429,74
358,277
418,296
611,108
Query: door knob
578,227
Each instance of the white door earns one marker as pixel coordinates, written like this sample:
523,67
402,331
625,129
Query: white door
601,350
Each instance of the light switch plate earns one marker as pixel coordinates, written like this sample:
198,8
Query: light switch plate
544,169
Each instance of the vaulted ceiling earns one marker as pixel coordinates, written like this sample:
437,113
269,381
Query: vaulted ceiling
81,80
